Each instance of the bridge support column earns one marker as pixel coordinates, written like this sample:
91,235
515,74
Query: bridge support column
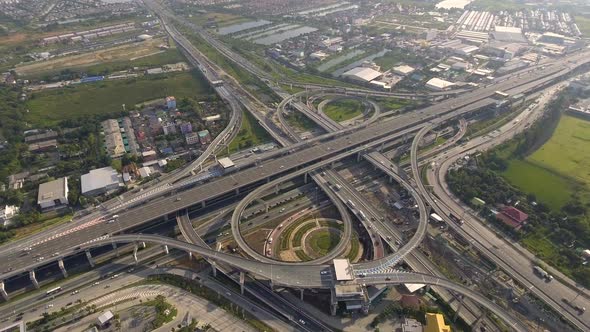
277,189
33,279
272,285
358,157
190,256
62,267
458,310
203,204
237,191
166,250
214,269
305,178
3,292
301,294
382,146
391,179
90,260
116,249
135,249
242,281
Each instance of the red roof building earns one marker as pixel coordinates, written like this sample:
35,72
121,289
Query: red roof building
512,217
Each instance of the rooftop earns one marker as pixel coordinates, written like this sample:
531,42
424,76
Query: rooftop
99,178
343,269
436,323
52,190
225,163
362,74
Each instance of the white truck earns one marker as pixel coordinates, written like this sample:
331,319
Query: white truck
542,273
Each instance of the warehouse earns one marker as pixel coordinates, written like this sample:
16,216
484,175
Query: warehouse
362,74
438,84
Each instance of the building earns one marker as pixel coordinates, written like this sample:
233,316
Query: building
411,325
41,137
475,201
7,212
53,194
171,102
192,138
169,128
113,140
105,318
100,181
186,127
436,323
212,118
16,181
44,146
403,70
204,136
362,74
149,155
512,216
438,84
508,34
226,163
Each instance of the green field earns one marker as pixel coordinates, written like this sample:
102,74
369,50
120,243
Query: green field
343,109
47,108
323,241
559,168
583,24
251,134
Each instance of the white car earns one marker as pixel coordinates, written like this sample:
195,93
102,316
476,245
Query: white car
302,322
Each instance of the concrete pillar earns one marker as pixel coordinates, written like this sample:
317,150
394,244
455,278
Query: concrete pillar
116,249
166,250
214,269
301,294
142,244
190,255
272,285
277,189
458,310
382,146
358,157
3,291
203,204
33,279
305,178
62,267
237,191
333,307
242,281
90,260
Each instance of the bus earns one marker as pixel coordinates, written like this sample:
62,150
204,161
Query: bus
436,217
53,291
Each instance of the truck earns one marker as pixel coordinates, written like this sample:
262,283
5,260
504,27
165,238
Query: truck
456,219
542,273
362,215
435,217
351,204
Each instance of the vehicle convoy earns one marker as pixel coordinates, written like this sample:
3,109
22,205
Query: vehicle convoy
542,273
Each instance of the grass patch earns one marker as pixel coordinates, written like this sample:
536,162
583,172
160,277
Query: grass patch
251,134
583,24
298,120
301,231
323,241
302,255
27,230
568,150
102,98
343,109
548,187
392,103
396,57
354,247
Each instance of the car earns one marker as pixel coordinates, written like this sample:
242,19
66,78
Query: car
250,223
282,210
115,216
50,305
387,279
302,322
111,221
55,254
324,272
75,292
97,283
178,199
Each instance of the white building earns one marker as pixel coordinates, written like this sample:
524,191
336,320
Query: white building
438,84
403,70
100,181
53,193
362,74
508,34
7,212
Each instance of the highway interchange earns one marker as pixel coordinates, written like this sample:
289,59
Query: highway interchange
300,158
